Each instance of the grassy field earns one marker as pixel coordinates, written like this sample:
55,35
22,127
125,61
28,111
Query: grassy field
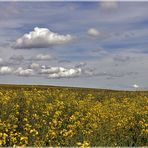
62,116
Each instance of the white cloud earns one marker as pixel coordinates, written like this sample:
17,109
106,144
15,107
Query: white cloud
24,72
36,69
41,38
50,70
6,70
66,73
108,4
136,86
42,57
35,66
60,72
93,32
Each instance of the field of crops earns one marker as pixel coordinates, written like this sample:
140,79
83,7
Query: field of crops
60,116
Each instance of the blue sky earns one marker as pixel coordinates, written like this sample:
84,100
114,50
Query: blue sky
83,44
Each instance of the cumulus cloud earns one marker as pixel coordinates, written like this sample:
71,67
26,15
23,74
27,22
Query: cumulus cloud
36,69
42,57
35,66
93,32
41,38
60,72
136,86
24,72
66,73
50,70
5,70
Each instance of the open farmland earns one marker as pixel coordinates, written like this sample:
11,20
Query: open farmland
62,116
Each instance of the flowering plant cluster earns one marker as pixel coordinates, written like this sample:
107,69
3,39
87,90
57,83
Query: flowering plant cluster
55,116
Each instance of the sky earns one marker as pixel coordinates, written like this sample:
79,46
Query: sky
81,44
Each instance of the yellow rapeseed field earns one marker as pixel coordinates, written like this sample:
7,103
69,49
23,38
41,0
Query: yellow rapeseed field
56,116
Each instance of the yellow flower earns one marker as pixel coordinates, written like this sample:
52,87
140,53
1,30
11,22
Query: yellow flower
34,132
